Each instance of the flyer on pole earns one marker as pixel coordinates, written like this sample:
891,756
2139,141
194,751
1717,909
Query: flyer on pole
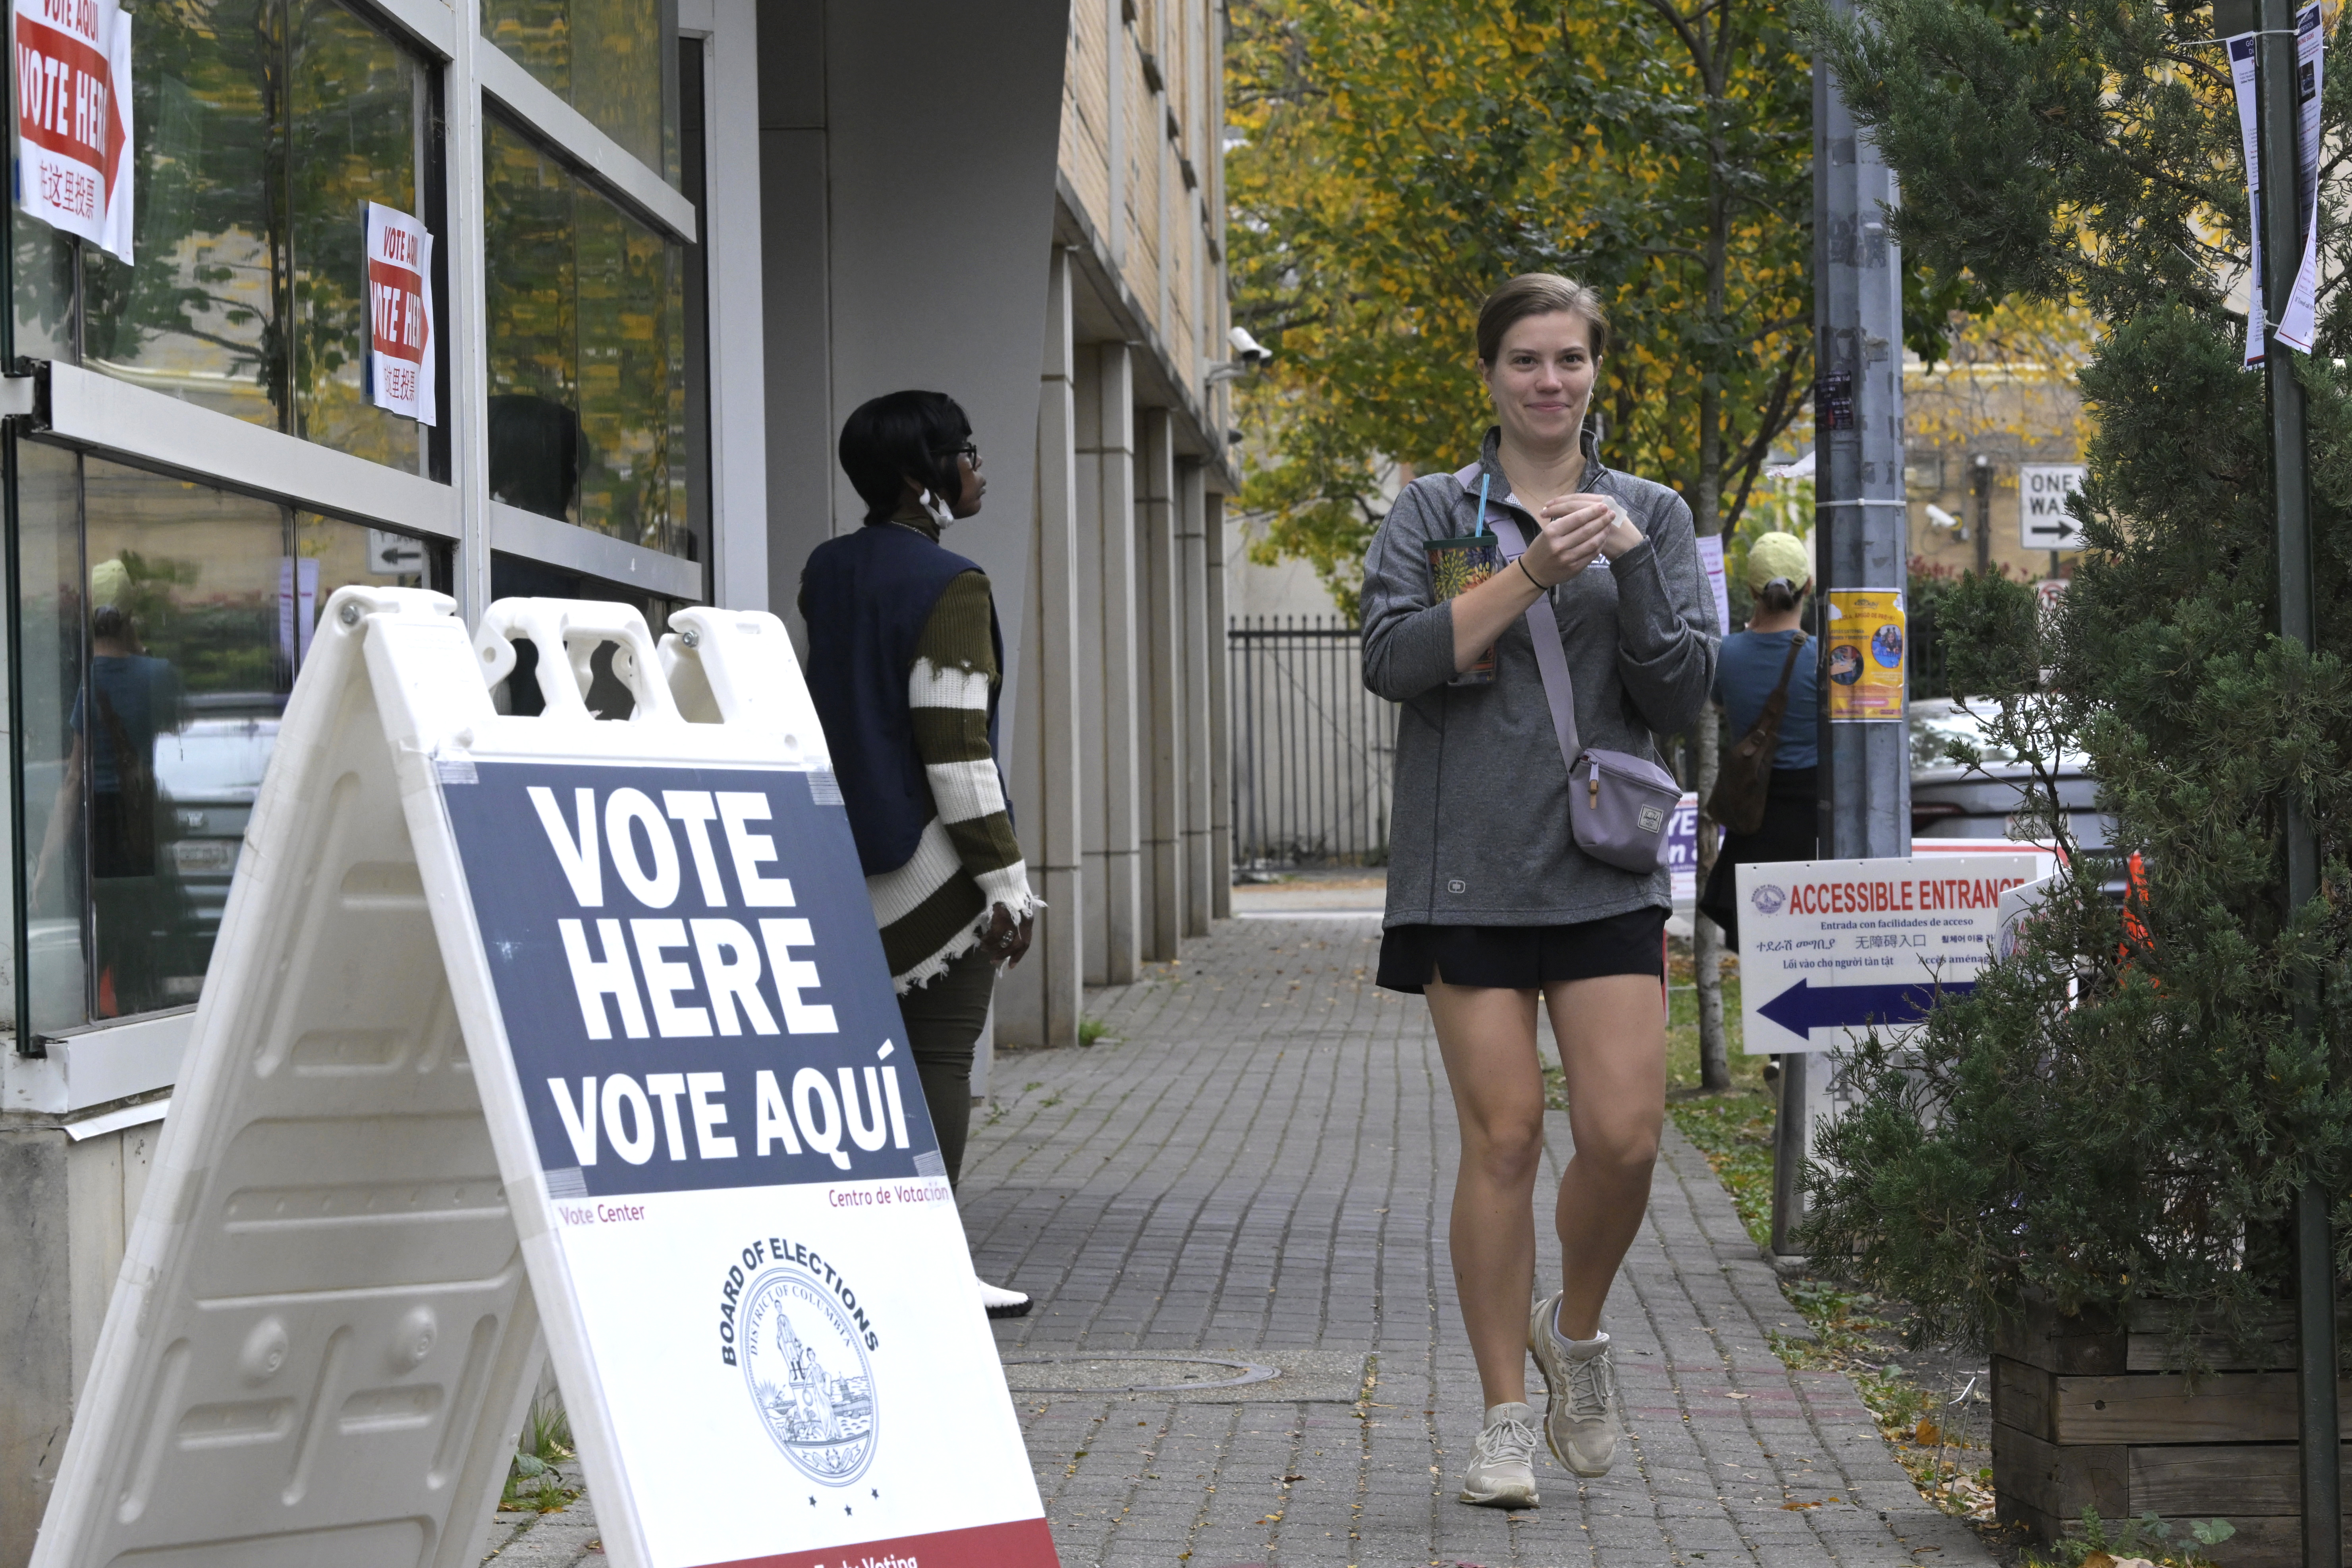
1867,653
2296,324
73,118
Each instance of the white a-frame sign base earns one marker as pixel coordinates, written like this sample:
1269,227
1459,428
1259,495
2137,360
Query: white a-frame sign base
543,1030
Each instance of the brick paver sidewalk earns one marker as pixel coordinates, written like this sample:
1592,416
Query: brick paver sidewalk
1256,1164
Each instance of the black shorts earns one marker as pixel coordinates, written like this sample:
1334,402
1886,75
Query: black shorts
1523,958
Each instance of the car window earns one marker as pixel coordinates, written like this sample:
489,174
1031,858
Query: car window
1933,728
216,759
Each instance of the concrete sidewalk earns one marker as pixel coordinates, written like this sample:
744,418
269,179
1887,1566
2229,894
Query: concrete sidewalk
1255,1166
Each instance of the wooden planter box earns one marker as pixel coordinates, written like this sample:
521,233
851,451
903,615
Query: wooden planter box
2086,1416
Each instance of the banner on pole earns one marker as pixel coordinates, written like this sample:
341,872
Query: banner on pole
400,314
2297,324
73,118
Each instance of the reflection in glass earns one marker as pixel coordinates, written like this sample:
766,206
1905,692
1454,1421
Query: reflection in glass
156,675
49,564
261,129
610,59
357,112
199,316
587,354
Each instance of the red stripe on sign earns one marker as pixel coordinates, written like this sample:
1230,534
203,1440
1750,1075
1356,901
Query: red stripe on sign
1021,1544
49,63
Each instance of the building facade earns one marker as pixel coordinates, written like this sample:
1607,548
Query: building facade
675,243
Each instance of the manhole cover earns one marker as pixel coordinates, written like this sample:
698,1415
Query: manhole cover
1130,1373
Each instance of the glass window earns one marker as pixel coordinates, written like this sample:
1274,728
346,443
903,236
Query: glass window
170,619
587,330
612,61
262,128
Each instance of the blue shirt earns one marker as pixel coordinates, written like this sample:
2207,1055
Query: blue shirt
1745,673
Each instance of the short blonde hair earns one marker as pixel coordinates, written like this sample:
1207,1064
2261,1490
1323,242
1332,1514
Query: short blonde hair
1539,294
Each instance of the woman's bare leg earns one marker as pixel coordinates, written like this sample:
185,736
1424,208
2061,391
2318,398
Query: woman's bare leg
1487,1037
1612,1049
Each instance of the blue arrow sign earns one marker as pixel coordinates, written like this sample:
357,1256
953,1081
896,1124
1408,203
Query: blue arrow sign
1804,1007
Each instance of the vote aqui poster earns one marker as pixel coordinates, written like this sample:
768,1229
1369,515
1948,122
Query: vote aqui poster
73,118
748,1197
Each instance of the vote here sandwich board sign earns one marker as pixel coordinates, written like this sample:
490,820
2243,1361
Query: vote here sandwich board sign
1831,949
548,1030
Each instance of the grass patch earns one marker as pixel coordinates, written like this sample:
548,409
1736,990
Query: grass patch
1091,1029
532,1484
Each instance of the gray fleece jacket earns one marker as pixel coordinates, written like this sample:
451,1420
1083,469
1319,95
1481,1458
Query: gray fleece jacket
1478,832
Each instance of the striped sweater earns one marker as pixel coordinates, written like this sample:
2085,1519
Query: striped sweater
933,909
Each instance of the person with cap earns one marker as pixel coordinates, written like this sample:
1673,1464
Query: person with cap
1780,575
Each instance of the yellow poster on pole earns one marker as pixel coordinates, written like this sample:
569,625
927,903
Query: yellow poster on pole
1867,653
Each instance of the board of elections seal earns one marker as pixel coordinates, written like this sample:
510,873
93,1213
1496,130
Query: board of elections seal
808,1374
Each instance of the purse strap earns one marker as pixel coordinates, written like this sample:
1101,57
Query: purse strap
1552,659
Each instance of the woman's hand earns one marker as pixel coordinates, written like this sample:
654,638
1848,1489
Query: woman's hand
1571,529
1575,514
1006,939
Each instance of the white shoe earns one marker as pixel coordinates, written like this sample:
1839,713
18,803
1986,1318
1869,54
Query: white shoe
1581,1416
1502,1462
1001,1302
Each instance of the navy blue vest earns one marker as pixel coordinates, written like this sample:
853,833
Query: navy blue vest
867,597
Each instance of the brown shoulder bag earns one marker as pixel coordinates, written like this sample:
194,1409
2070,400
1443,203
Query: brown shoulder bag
1738,801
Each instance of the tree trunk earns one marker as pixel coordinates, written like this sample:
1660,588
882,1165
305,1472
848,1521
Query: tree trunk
1707,939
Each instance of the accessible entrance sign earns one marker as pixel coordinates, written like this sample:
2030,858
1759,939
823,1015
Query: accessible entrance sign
1831,949
547,1030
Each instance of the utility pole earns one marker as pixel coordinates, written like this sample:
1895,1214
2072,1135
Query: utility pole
1859,523
2279,112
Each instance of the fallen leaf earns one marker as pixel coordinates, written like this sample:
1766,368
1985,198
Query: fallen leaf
2097,1560
2134,1562
1927,1435
1793,1507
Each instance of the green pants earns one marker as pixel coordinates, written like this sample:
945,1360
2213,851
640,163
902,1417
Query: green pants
943,1023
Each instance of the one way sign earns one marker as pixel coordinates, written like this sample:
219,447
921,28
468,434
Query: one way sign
2043,521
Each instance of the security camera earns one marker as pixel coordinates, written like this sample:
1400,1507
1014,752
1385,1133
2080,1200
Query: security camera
1941,518
1247,349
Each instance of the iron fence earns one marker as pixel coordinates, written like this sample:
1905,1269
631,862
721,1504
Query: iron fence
1312,749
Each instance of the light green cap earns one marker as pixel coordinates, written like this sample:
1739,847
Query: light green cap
1778,555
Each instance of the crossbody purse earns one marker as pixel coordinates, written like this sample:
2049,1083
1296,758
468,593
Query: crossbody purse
1619,804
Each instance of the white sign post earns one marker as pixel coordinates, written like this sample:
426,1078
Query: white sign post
73,118
400,314
528,1031
2043,522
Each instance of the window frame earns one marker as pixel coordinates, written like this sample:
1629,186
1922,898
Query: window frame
85,410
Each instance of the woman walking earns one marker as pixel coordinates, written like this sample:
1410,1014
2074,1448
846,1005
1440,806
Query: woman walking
1754,663
1491,904
905,664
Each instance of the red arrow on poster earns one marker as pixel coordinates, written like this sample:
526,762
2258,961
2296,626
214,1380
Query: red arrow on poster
73,118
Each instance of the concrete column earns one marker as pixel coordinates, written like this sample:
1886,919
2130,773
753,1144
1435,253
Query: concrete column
1220,714
71,1206
1110,775
1162,667
1192,576
1039,1003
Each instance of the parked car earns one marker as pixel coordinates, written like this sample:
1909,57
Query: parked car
209,771
1948,801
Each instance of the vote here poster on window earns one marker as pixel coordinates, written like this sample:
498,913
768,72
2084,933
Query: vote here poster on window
400,314
73,118
748,1197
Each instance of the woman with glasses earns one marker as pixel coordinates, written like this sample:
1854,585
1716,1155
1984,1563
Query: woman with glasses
905,665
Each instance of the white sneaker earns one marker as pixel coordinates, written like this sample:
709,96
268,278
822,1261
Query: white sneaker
1502,1462
1001,1302
1581,1416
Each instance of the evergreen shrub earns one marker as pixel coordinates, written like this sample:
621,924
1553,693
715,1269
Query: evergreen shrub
2122,1106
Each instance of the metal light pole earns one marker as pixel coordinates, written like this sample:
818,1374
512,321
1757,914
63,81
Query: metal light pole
1860,522
2278,113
